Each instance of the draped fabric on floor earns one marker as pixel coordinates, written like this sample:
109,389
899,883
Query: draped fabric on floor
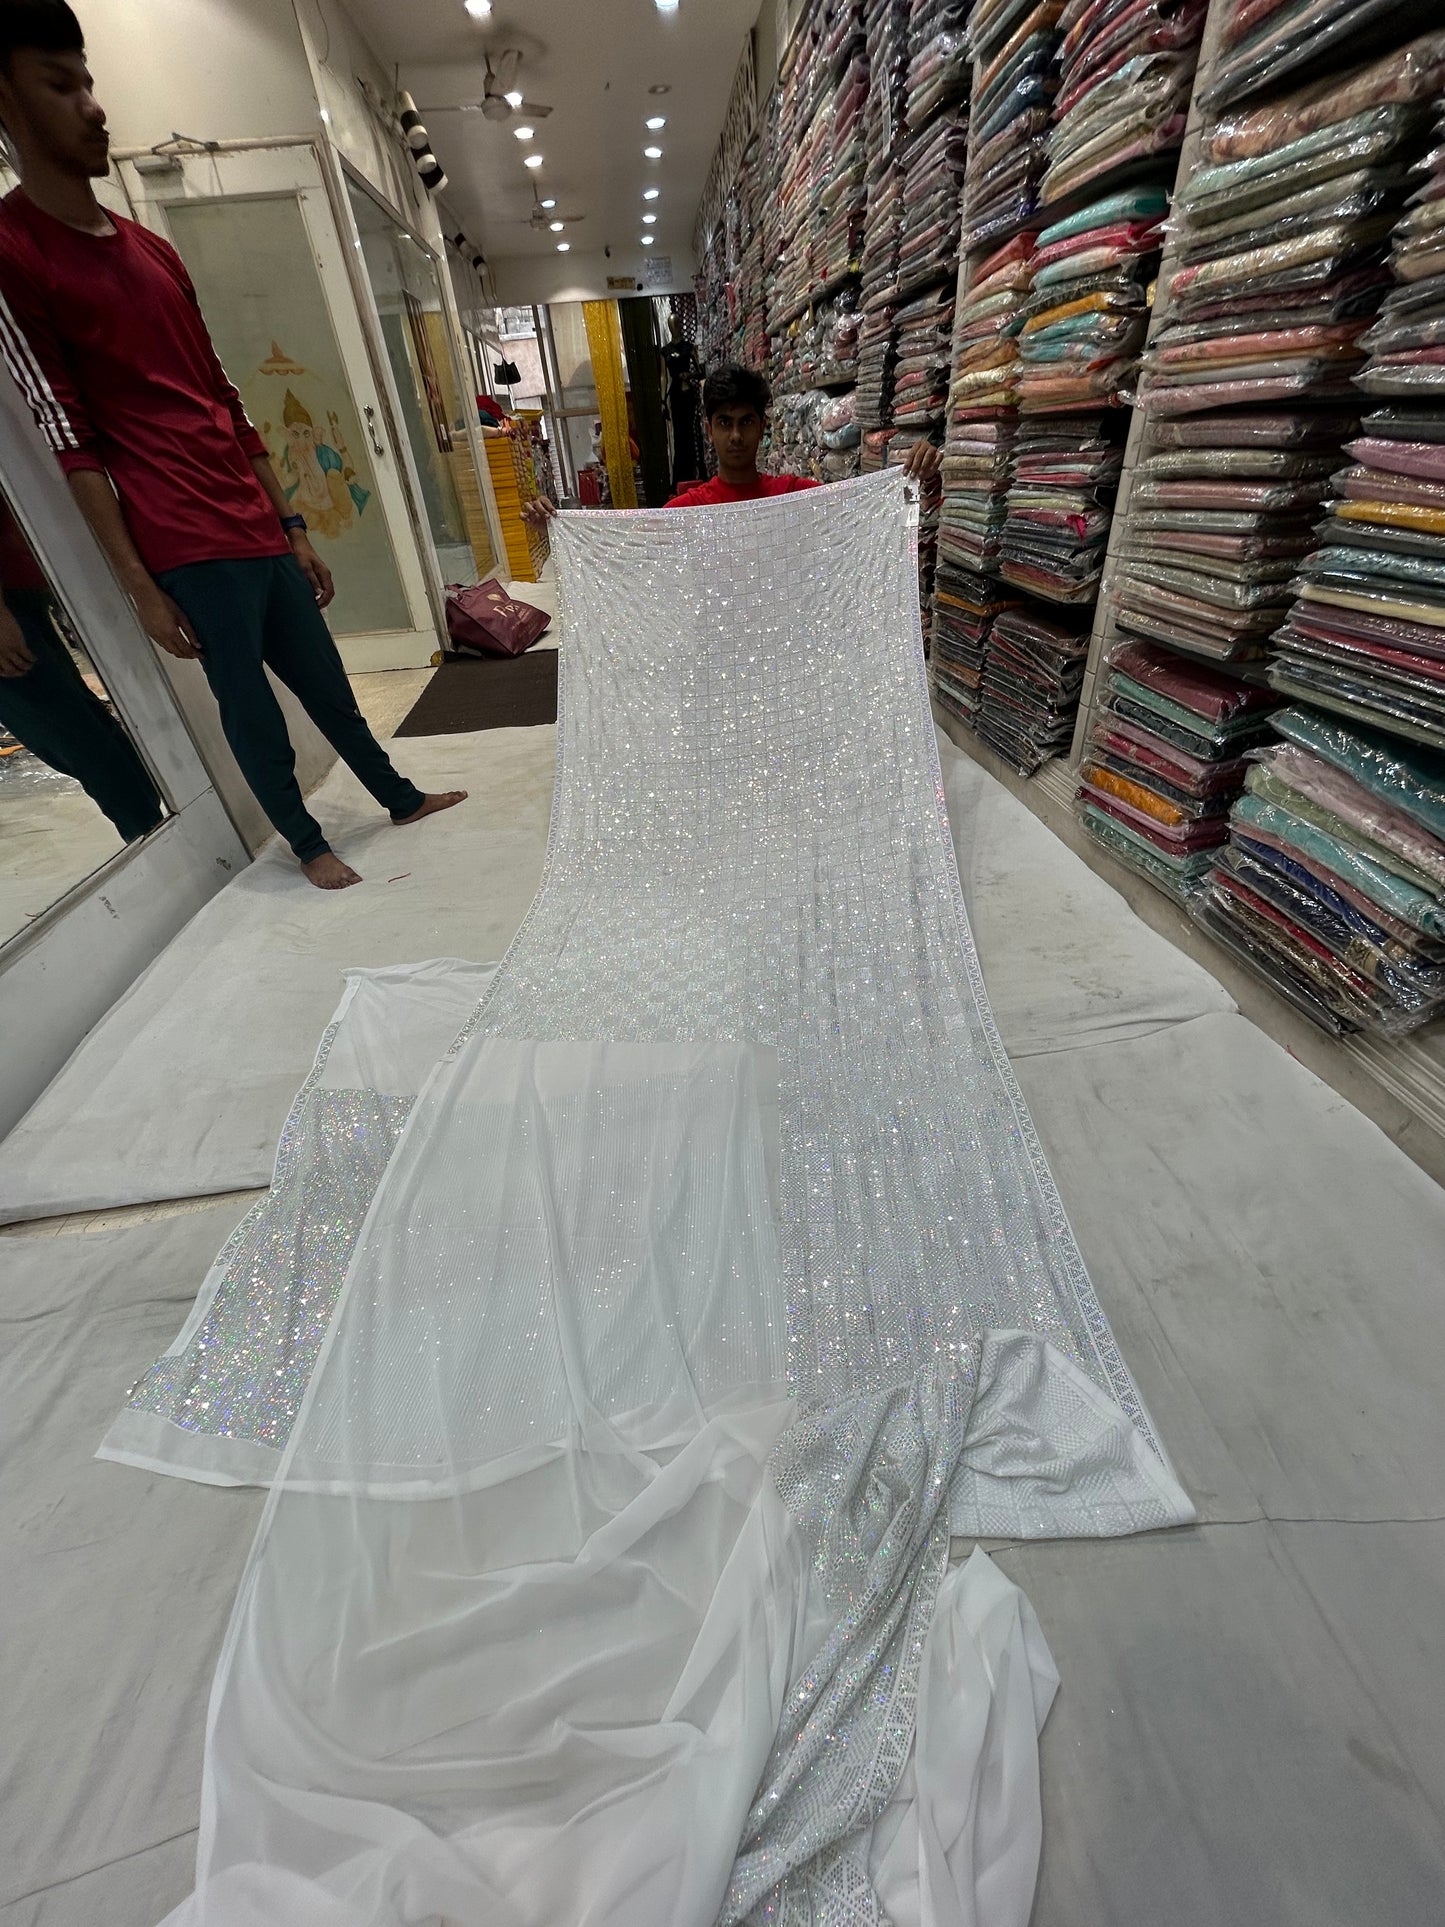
711,1280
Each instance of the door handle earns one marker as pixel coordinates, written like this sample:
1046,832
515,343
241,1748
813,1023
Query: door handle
377,445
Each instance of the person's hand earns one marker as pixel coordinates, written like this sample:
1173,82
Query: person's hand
539,511
15,655
164,623
922,462
312,567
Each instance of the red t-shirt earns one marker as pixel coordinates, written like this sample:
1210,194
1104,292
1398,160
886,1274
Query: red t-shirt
104,337
698,495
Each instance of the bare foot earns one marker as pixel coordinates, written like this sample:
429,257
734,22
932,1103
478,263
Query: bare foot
328,872
439,800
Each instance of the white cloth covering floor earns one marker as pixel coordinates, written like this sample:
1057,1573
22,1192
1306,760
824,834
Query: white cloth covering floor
1250,1727
182,1088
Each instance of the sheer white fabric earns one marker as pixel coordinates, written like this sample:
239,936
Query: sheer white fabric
711,1282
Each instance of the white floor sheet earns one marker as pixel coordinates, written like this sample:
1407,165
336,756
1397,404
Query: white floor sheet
1248,1728
182,1088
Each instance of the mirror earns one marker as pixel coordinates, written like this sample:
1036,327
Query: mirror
73,787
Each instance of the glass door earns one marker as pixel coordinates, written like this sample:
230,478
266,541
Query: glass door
405,279
259,235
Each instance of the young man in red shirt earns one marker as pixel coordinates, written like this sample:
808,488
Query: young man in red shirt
102,332
735,404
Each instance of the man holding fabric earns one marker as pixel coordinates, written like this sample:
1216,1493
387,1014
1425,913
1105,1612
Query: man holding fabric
735,404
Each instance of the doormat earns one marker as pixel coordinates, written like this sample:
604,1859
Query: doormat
486,692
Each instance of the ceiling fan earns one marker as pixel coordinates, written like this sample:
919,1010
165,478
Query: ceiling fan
548,217
501,97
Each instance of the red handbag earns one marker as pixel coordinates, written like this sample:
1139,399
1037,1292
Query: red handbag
483,620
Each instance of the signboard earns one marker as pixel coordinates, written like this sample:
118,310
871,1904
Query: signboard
622,284
658,271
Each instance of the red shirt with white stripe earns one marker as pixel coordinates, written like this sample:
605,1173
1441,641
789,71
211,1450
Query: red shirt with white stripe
699,495
104,338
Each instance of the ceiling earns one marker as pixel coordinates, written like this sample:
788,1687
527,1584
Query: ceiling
593,61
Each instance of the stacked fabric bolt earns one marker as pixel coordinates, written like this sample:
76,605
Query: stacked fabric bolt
1282,238
876,358
844,193
1083,324
977,459
882,227
886,39
873,452
1015,44
1219,517
938,58
965,606
1031,681
1125,73
840,437
1367,636
1333,882
1166,758
920,380
1267,42
1064,474
932,165
982,417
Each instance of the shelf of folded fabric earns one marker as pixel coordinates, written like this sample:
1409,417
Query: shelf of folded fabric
1165,760
1015,50
1366,637
1271,274
1123,84
1267,45
1332,884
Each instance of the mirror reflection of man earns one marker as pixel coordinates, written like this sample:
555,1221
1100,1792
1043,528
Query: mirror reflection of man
101,330
45,704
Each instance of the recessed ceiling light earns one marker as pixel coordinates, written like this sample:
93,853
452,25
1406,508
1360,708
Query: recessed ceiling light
564,247
659,87
532,160
556,226
523,133
647,240
649,220
653,153
513,99
549,203
651,193
657,121
478,9
666,6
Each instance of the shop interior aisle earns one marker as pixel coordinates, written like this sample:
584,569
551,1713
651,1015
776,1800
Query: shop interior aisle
1247,1727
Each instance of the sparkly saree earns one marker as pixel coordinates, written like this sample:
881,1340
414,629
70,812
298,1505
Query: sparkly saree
684,1309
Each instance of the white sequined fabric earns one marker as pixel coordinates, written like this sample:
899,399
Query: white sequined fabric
749,842
715,1278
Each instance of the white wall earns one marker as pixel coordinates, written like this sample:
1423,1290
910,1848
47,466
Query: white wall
340,61
219,69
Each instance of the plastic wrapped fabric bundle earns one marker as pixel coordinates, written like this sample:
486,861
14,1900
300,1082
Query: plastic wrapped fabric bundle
1165,760
965,605
1120,107
1332,889
1065,472
1265,45
1014,45
1029,694
932,166
1366,637
1412,73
